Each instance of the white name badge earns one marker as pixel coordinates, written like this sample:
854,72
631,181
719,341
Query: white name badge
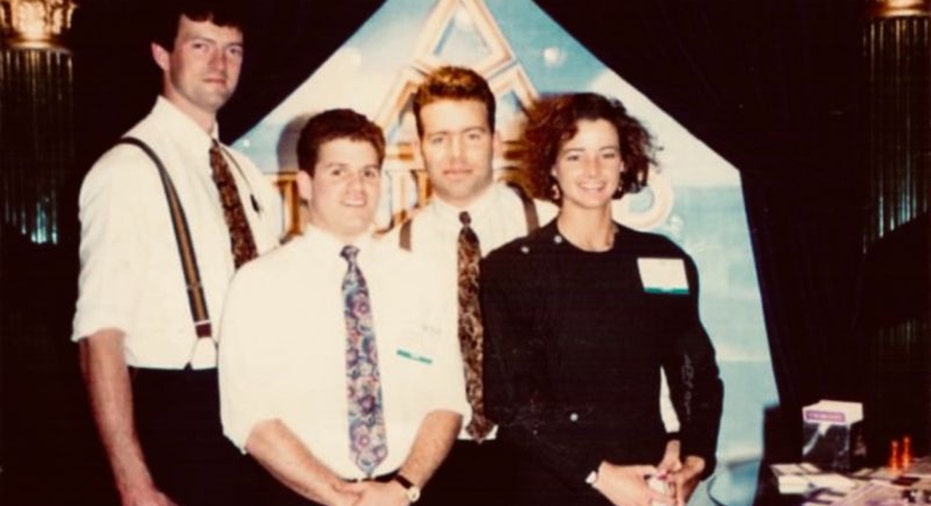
663,275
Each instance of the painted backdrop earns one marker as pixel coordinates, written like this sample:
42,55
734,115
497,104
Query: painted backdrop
694,196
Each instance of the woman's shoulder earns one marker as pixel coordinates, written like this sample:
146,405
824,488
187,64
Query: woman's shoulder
534,243
649,244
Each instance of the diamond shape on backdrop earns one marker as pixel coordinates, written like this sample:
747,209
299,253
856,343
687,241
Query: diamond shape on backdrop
462,32
461,43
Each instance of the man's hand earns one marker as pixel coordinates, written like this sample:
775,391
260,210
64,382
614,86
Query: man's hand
687,478
342,498
627,485
373,493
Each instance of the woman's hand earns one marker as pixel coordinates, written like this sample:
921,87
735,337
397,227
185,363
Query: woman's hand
687,478
627,485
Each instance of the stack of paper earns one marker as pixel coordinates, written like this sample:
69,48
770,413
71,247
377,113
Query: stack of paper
800,478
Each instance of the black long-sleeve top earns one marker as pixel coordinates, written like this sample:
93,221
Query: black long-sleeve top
574,342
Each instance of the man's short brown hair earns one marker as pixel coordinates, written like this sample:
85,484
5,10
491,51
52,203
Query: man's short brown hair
454,83
336,124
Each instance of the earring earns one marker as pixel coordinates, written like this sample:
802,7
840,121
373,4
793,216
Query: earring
622,185
555,193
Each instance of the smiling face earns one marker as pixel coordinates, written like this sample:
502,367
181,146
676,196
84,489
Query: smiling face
457,147
202,70
343,192
588,166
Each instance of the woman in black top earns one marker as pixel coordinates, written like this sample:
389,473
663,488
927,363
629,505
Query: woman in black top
581,315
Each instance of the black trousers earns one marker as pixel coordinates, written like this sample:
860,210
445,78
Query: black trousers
473,475
177,415
535,485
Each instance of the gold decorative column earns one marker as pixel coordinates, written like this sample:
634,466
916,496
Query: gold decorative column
898,341
35,115
896,44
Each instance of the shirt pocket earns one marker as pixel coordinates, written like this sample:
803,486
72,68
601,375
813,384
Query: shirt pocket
417,346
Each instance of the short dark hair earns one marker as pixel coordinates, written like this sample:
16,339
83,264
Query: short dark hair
454,83
167,15
336,124
553,120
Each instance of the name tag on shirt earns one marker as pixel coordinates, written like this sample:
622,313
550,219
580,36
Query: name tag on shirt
413,355
663,275
420,348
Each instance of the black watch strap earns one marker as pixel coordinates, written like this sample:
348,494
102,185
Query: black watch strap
403,481
413,491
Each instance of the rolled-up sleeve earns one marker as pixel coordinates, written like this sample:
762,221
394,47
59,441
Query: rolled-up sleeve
115,197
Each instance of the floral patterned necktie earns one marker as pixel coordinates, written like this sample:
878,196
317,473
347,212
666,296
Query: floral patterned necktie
367,439
242,244
470,326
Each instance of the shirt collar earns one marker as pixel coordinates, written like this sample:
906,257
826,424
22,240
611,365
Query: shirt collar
327,245
479,208
180,125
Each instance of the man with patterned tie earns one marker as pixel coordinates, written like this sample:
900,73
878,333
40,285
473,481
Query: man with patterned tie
469,216
337,371
165,222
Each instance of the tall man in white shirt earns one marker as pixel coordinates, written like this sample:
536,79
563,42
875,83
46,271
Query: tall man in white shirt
454,110
337,372
149,367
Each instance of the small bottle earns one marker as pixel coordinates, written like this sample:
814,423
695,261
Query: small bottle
906,456
894,457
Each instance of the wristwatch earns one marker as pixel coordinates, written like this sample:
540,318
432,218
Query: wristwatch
412,491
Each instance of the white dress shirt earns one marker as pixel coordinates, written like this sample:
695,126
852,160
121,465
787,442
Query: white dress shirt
131,276
497,218
283,351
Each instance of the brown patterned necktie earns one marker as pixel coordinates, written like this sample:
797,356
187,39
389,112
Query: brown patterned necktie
242,243
470,326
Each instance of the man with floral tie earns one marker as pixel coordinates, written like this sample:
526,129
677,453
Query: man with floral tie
337,372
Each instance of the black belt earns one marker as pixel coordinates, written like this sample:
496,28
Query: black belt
382,478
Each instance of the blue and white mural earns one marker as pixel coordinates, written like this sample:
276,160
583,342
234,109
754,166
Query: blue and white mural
694,196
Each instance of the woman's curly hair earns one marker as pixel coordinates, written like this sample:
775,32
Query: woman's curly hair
553,120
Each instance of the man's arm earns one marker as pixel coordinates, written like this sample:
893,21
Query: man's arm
107,380
434,439
280,451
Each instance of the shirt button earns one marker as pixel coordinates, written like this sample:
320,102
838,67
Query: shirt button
524,249
573,417
557,239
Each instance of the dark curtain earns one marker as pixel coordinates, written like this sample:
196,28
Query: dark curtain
116,80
